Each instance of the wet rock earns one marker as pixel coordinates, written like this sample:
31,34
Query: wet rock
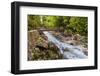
76,37
41,43
39,48
52,46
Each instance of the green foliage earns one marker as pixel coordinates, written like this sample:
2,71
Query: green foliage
33,22
56,22
50,22
78,25
70,24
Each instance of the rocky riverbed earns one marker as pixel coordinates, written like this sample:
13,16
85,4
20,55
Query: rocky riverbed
39,48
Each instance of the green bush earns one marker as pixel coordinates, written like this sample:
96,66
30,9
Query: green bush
70,24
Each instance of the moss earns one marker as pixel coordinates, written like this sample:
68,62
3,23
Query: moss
41,49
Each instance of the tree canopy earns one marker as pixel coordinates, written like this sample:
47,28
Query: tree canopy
72,24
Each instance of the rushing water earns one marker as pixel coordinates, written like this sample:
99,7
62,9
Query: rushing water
68,51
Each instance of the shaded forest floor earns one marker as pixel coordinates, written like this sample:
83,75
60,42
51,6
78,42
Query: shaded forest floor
39,48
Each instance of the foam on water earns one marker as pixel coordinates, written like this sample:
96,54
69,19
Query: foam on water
72,52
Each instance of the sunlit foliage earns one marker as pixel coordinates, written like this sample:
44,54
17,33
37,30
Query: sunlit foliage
70,24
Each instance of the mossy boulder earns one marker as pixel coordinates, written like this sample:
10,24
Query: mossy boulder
39,48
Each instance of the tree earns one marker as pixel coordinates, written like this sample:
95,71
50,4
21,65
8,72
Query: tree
50,22
70,24
78,25
56,22
33,22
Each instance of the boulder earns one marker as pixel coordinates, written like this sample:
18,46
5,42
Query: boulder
52,46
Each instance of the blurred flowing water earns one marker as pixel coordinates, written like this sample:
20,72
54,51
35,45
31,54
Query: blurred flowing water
68,51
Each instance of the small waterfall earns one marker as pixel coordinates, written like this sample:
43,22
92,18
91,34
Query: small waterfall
68,51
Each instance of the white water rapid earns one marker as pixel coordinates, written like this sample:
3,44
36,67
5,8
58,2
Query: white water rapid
68,51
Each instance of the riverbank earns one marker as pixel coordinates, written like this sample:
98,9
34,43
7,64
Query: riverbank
39,48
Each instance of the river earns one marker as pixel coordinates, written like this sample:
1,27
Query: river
68,51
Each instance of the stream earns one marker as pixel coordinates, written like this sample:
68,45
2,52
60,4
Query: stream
68,51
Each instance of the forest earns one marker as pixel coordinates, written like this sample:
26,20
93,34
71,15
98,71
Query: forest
46,33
